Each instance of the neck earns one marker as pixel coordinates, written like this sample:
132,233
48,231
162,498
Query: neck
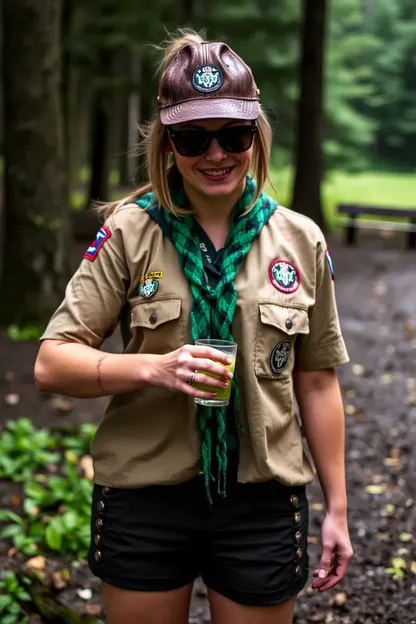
213,211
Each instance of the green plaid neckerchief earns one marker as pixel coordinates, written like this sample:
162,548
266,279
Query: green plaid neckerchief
213,308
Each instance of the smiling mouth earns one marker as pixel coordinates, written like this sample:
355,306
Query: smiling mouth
217,173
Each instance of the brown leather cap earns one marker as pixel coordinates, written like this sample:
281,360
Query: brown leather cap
204,81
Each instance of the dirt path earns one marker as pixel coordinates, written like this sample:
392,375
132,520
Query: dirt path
376,291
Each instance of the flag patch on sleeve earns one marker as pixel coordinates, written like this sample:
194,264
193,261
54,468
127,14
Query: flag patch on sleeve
103,234
330,263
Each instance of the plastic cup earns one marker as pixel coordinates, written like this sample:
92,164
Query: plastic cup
223,394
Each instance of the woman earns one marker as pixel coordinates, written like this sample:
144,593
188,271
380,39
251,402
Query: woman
201,252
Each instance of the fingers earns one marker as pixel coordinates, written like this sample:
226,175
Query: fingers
327,577
208,353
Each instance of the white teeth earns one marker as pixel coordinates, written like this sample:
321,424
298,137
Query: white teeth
217,172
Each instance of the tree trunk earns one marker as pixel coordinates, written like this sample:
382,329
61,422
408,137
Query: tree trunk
100,150
309,158
146,110
36,267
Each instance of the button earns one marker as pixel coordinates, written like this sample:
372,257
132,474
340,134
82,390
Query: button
99,525
294,500
298,570
105,491
299,554
97,539
298,536
298,518
97,555
100,507
153,318
289,324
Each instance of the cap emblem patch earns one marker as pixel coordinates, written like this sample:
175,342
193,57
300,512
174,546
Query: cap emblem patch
284,276
207,79
280,356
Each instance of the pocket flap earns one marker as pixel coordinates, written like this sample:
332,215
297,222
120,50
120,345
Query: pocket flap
288,320
151,314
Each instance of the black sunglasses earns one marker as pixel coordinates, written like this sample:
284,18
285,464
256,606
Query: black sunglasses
235,139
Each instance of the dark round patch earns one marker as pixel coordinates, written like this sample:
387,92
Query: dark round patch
207,79
280,356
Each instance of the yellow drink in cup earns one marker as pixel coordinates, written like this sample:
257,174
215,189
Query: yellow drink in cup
223,394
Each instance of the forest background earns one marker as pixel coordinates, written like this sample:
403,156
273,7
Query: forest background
338,80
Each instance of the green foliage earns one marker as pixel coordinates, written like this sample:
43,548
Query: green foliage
24,449
56,506
27,332
12,594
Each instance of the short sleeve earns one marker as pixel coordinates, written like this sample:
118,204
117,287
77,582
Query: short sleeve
324,346
96,293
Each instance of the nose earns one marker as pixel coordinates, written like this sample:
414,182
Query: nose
215,152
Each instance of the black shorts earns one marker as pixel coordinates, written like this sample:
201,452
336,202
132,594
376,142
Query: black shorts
250,546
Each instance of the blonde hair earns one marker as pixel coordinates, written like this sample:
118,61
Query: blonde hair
160,164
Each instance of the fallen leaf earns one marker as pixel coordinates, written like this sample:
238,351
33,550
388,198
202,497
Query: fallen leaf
37,563
340,599
71,457
391,462
12,552
87,466
399,563
12,399
312,539
350,394
402,552
85,594
413,567
350,410
15,501
405,537
375,489
93,609
57,581
386,379
316,506
383,537
61,405
357,370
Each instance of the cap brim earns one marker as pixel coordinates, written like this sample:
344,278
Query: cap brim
213,108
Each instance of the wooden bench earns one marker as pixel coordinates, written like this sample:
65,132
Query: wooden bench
354,210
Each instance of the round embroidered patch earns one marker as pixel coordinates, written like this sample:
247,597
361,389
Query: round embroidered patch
148,287
280,356
284,276
207,79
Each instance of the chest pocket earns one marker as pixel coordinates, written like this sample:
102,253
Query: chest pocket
277,328
160,323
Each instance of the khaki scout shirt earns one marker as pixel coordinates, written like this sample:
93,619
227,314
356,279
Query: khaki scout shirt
151,436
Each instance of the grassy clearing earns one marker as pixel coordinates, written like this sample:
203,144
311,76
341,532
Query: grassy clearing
371,188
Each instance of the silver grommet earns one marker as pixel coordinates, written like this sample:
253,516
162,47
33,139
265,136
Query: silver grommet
298,570
97,555
299,554
294,500
100,507
97,539
99,524
298,536
105,491
298,518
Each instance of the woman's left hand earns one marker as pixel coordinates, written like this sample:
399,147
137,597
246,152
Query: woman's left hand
336,552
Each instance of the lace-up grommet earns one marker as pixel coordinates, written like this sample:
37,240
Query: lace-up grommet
294,500
298,536
298,518
98,556
99,524
298,570
105,491
97,539
299,554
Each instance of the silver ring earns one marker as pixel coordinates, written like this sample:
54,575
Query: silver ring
191,379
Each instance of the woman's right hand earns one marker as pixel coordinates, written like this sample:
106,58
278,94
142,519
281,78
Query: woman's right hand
189,363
